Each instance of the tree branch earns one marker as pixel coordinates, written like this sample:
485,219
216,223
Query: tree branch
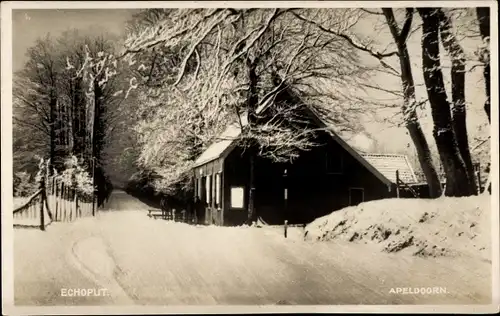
152,67
371,12
195,45
263,29
350,40
39,110
175,35
197,70
480,143
41,129
398,94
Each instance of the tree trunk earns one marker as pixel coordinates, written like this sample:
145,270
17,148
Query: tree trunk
457,182
58,161
252,101
483,16
96,126
65,133
78,118
459,111
53,104
251,193
95,151
409,110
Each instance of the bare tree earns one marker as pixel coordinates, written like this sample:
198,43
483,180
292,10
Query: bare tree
458,72
50,98
36,90
410,103
30,136
96,70
457,182
483,17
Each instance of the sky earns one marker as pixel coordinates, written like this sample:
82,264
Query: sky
28,25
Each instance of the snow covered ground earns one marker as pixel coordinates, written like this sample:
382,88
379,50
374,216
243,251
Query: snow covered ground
154,262
445,227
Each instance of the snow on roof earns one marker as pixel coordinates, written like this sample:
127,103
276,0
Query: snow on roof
219,147
387,164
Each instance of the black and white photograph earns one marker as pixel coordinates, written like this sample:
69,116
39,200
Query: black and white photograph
300,156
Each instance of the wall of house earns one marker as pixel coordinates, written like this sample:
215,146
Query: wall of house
316,183
236,174
206,189
269,184
316,189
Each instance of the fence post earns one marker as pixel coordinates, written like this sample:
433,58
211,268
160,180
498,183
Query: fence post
78,213
42,202
46,199
64,215
93,203
93,187
70,203
285,198
56,198
397,183
52,196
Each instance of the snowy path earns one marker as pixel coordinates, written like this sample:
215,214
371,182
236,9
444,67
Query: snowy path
154,262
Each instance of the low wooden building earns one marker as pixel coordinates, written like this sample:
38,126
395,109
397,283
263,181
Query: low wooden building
326,178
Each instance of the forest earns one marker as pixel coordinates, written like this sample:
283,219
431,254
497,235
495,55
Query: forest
135,111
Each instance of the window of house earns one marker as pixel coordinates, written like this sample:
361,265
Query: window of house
237,197
356,196
217,188
214,197
334,162
195,189
208,188
199,187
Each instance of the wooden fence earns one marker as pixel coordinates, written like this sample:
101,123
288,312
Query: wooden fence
65,202
34,213
53,202
400,184
182,216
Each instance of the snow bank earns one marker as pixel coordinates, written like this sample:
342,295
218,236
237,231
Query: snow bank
440,227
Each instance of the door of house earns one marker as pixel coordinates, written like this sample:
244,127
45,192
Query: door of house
356,196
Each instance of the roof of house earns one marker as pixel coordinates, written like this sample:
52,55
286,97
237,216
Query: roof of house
226,143
383,165
222,145
387,164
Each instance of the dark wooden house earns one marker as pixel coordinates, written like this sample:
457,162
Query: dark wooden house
326,178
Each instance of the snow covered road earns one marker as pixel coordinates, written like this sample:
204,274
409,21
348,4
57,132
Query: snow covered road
155,262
